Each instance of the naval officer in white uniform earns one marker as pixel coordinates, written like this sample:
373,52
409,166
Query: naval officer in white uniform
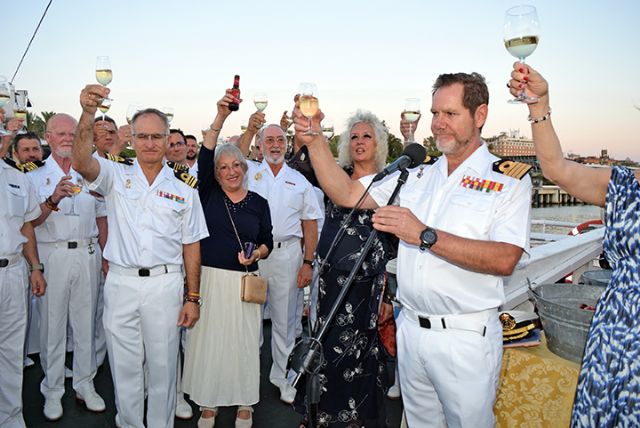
155,227
18,209
289,268
463,224
67,236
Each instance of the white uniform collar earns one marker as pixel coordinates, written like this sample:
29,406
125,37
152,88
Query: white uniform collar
477,161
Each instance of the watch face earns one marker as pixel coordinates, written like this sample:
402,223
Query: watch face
428,237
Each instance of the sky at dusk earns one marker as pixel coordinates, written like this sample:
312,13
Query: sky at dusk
361,54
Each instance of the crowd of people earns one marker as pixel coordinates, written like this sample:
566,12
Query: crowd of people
141,259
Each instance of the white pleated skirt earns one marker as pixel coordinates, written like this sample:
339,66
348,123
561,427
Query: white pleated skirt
222,357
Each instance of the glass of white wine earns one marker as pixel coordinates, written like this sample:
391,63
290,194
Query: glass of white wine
104,74
327,129
261,101
5,96
20,111
168,111
521,36
308,102
411,114
75,189
132,109
104,106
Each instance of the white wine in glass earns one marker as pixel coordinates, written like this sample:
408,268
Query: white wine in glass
260,100
327,129
20,111
308,102
104,74
5,96
75,189
411,114
168,111
132,109
521,36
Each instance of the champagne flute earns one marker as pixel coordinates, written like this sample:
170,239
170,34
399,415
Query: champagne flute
168,111
131,111
104,74
5,96
104,106
75,190
327,129
309,102
260,100
521,36
243,128
20,111
411,114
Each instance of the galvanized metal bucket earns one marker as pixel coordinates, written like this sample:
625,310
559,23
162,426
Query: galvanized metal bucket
600,277
564,322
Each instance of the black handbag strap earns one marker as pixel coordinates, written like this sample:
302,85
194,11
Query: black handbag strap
234,226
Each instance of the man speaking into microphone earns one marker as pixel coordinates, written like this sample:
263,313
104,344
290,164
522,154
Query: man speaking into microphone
463,224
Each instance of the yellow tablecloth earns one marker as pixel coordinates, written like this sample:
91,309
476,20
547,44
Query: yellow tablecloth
537,388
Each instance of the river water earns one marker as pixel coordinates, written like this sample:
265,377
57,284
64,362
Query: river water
570,213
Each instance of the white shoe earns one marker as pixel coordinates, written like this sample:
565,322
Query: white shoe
287,393
28,362
52,409
244,423
90,399
208,422
394,392
118,424
68,373
183,409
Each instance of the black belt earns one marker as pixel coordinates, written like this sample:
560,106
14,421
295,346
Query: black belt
4,263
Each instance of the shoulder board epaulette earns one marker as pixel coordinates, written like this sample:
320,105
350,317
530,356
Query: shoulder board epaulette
118,159
186,178
429,160
511,168
23,167
177,166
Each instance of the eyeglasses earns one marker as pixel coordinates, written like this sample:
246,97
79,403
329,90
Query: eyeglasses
176,144
107,131
154,137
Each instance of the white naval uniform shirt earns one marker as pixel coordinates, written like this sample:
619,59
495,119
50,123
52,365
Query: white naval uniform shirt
19,205
193,170
58,226
291,198
148,224
429,284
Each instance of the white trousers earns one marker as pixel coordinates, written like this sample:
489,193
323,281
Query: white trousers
448,377
140,324
285,304
13,325
70,297
99,340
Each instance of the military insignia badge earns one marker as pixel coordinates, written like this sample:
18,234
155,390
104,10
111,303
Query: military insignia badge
127,183
258,176
302,157
47,182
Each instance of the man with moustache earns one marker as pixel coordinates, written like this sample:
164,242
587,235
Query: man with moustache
155,226
465,221
192,154
27,148
67,236
289,268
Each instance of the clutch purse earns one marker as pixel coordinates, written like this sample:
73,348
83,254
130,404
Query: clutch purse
253,288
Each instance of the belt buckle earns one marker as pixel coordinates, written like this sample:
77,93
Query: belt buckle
4,263
144,272
424,322
72,244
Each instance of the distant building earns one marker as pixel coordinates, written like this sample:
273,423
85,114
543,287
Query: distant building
511,144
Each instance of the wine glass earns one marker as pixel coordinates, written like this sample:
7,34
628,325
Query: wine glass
104,106
20,111
260,100
5,96
243,128
521,36
104,74
308,102
327,129
168,111
411,114
131,111
75,189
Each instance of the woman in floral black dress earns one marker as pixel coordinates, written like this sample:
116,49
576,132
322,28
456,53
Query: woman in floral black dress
351,379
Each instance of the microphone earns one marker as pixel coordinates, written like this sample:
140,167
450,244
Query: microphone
412,156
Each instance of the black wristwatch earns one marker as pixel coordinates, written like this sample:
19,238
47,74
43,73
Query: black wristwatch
308,262
428,237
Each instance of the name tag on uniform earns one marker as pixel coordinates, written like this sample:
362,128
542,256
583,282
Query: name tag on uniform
171,196
480,184
15,186
290,183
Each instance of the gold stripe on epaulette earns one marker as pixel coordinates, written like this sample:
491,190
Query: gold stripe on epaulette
511,168
186,178
429,160
118,159
177,167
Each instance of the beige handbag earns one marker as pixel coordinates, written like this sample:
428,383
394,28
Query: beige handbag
253,287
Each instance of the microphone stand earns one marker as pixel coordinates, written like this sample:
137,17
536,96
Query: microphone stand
306,357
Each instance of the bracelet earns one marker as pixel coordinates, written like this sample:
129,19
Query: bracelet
308,262
540,119
50,204
211,128
192,294
196,300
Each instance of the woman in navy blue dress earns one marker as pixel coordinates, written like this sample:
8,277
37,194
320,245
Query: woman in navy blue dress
608,392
